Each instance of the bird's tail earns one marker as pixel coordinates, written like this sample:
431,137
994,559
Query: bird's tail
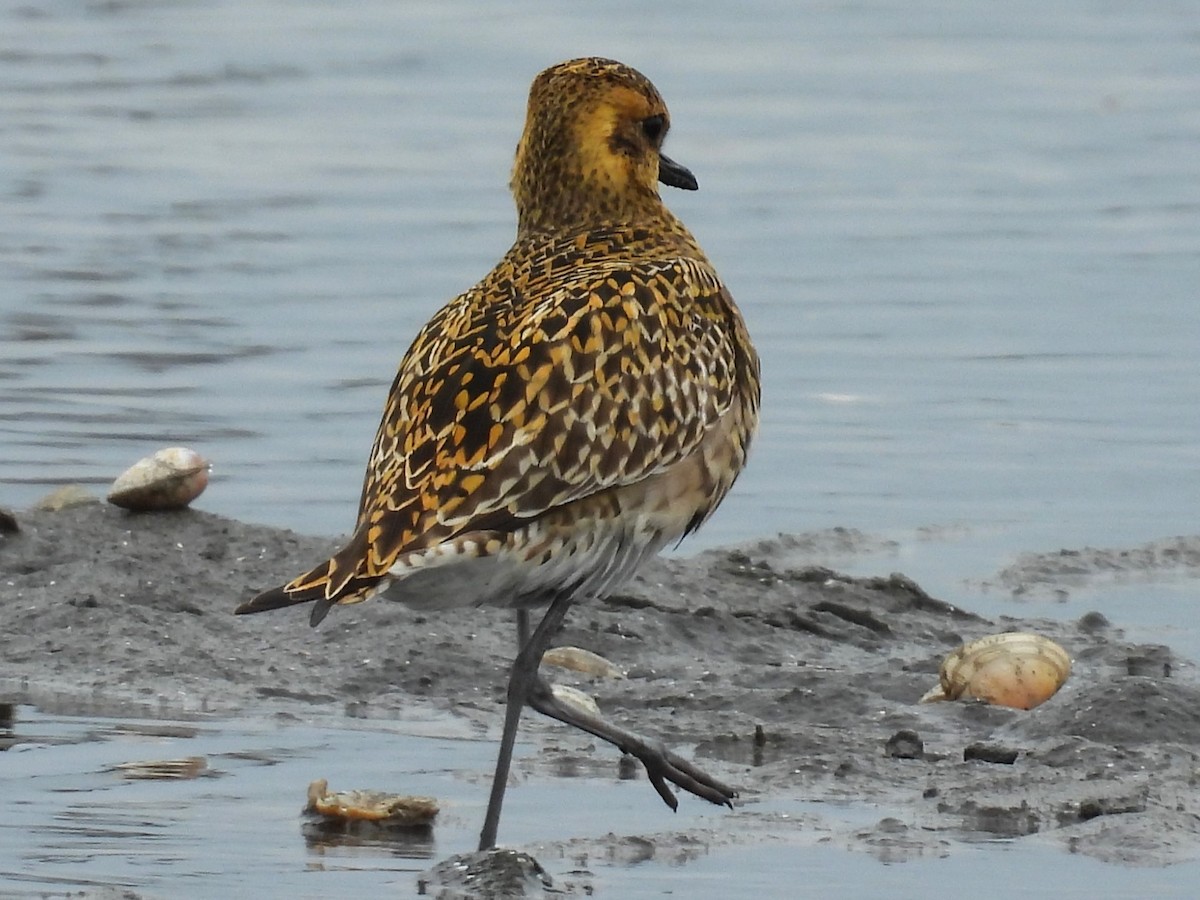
331,583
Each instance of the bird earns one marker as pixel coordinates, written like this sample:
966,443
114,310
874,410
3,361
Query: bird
585,405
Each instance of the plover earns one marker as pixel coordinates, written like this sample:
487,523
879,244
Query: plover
587,403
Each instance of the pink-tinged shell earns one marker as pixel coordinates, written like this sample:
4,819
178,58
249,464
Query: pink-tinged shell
170,479
1015,668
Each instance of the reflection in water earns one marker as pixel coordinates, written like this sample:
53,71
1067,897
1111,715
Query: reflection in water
74,816
368,839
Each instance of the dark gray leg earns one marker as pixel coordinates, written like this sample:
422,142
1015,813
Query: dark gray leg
522,628
522,682
661,764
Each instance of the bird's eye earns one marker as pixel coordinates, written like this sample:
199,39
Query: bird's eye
653,128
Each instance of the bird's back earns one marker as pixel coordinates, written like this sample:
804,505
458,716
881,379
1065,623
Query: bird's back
590,400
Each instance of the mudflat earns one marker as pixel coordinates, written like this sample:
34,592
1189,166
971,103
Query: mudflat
789,680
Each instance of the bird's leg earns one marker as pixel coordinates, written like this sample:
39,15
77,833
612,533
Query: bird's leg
661,764
522,628
522,682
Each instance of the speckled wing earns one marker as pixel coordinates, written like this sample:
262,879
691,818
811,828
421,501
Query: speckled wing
507,406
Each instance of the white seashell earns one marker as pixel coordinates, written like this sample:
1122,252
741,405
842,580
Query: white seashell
581,660
576,698
1015,668
170,479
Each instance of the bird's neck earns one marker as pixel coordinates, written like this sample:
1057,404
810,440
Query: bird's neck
560,188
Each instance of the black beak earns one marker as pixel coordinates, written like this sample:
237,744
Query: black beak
672,173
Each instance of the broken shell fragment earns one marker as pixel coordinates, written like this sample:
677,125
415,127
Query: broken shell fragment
580,660
385,810
164,769
1015,668
170,479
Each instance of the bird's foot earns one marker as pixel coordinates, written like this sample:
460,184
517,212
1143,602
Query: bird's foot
664,768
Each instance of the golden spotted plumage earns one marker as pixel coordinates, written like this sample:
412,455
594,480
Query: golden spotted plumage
590,400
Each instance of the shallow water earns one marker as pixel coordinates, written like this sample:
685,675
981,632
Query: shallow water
72,822
966,238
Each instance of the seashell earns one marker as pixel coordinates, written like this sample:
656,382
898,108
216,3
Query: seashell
1015,668
370,806
582,701
581,660
170,479
164,769
66,497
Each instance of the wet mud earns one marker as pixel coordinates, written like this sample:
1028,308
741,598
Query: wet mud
792,681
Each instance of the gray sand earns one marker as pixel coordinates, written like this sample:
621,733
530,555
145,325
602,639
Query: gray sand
135,612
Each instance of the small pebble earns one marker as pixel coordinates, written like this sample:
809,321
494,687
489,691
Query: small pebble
991,753
905,744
